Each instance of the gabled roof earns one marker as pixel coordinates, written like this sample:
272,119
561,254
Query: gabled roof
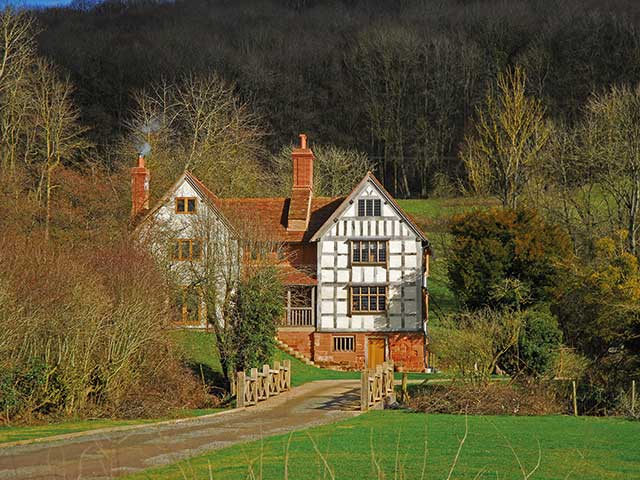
206,194
369,177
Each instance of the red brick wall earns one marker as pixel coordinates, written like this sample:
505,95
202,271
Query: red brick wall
406,350
324,354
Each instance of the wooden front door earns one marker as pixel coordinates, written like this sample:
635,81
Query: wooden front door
375,352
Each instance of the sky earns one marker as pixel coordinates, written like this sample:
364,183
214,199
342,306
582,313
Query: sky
33,3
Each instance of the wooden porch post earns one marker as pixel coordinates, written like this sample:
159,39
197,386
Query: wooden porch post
313,306
288,319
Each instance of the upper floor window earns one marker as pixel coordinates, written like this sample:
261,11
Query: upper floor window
368,299
368,252
186,204
187,249
369,207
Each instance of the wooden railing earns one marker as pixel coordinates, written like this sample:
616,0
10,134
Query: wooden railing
377,387
299,317
260,385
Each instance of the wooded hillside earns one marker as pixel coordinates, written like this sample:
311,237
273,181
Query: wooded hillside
396,80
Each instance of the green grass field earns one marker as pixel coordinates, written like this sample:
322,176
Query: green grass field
399,444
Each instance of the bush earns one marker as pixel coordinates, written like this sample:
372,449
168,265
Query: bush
504,258
598,307
85,333
489,399
473,343
538,343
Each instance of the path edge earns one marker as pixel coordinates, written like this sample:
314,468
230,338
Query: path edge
121,428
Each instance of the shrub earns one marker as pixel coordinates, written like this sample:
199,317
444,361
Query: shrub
598,307
503,257
84,331
538,343
489,399
473,343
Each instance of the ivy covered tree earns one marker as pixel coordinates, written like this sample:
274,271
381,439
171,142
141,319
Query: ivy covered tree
504,258
259,307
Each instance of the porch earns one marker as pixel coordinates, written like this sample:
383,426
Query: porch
300,309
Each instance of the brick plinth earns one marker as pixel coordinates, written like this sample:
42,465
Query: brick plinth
406,349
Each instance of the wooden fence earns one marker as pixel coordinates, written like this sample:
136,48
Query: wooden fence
376,387
260,385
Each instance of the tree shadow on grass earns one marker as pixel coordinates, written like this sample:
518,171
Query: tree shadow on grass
213,379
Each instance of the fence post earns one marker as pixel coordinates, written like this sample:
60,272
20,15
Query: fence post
575,398
405,391
364,391
267,379
276,367
240,386
633,398
287,366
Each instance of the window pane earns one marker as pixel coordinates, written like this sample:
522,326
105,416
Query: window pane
356,290
381,303
369,208
382,252
365,251
196,250
180,204
376,208
191,205
364,301
355,303
361,211
184,249
373,252
356,252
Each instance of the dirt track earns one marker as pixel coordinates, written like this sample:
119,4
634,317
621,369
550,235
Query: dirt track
111,454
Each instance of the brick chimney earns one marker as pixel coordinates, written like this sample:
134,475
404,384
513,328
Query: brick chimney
302,191
139,188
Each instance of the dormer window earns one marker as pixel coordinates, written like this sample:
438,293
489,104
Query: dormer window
369,207
186,205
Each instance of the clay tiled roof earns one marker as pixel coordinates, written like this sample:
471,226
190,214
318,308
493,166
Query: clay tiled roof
292,275
267,217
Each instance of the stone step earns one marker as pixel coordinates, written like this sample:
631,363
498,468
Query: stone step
294,353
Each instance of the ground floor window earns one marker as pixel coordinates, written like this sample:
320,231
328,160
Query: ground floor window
368,299
344,344
190,304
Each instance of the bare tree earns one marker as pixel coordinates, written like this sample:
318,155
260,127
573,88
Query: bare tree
16,57
610,143
200,125
336,170
58,133
510,133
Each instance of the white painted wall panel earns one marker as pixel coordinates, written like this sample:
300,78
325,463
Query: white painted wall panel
326,261
328,276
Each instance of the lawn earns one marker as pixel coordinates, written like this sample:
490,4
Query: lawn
395,441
